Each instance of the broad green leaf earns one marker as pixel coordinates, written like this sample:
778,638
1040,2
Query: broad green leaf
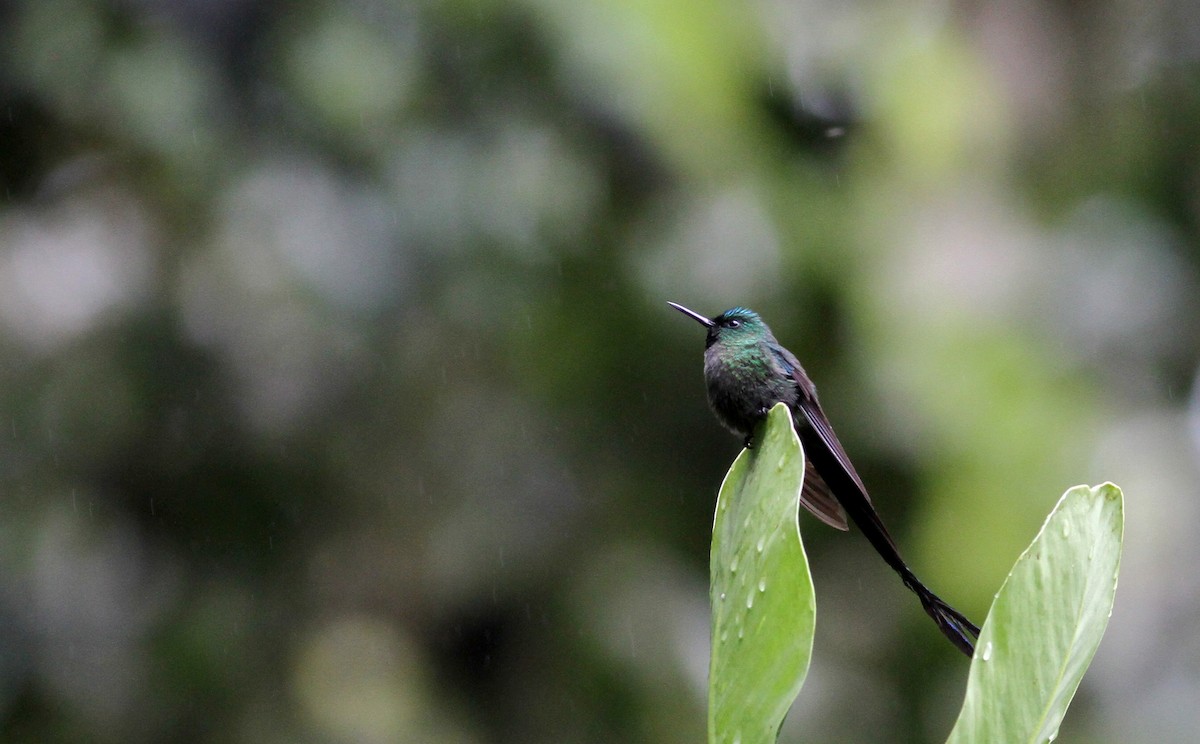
761,592
1046,623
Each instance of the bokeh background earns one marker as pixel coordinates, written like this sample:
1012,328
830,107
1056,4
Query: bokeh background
340,402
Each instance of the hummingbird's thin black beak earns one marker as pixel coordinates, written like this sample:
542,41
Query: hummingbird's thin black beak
693,314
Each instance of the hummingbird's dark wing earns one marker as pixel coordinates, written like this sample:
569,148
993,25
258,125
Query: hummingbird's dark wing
825,453
818,499
815,493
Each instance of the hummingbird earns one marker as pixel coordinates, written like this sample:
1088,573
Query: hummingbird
747,372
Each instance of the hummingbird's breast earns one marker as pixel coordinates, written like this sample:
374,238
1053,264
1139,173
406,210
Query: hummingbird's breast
742,387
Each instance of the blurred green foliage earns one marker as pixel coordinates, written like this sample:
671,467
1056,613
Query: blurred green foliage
342,402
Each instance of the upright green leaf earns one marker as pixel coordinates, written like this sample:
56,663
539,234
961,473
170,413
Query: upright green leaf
761,592
1046,623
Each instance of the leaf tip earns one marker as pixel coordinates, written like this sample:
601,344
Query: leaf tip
1111,491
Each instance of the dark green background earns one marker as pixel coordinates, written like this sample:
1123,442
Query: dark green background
340,402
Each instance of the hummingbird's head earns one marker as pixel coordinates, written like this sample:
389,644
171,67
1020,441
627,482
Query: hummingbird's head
737,326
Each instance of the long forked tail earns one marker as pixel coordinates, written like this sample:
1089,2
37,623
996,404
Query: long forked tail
953,624
822,448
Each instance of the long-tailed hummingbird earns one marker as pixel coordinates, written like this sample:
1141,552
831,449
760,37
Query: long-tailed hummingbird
747,372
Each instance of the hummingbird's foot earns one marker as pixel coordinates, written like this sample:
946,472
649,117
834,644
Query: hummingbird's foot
762,415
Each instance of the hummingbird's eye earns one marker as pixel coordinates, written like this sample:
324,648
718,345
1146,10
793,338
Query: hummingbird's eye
732,323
